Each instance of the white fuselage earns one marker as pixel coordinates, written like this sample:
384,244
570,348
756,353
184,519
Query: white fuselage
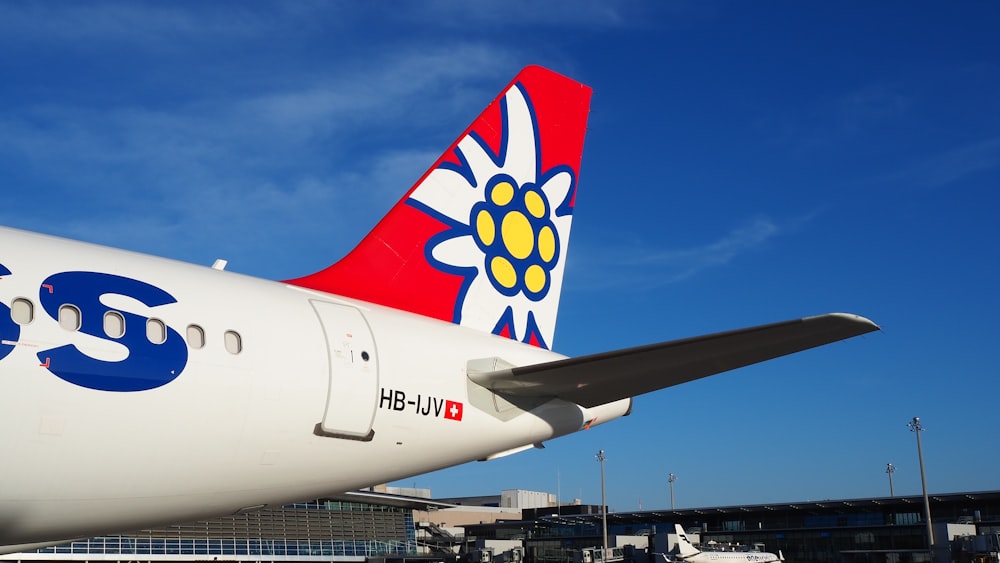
271,424
732,557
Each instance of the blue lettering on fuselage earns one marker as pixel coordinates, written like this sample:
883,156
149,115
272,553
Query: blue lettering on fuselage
147,366
9,330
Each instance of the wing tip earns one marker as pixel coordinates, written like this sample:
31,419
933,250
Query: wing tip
864,324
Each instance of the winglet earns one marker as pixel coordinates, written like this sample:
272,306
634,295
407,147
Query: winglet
480,240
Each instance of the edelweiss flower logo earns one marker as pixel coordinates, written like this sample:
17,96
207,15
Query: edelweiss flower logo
508,221
518,238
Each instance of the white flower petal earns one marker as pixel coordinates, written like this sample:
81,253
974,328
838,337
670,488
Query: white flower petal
459,252
480,161
483,305
448,193
520,158
557,188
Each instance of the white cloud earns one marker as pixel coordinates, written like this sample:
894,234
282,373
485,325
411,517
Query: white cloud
174,26
315,156
645,264
144,23
950,166
189,123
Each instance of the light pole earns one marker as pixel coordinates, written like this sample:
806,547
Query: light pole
890,469
604,509
670,479
915,427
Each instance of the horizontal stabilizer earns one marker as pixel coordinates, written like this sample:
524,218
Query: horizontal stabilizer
601,378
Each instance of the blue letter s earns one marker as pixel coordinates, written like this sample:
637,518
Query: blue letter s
147,366
9,330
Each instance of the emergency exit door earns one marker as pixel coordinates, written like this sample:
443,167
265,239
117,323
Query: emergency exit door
353,391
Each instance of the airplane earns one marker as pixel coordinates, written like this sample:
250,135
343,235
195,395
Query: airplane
687,552
138,391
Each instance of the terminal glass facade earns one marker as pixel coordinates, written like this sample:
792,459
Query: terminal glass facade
323,528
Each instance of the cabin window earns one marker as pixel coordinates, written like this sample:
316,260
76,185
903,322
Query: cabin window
196,336
156,331
69,317
114,324
233,341
22,311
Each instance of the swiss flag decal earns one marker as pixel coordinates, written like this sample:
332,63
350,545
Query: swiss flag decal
453,410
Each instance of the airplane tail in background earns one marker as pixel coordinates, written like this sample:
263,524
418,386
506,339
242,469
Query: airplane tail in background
685,548
481,239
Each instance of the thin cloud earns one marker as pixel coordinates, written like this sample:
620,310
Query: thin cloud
138,24
949,167
276,156
270,127
231,147
384,91
871,104
590,13
168,26
647,267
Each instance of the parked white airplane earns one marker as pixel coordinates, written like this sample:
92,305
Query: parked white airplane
137,391
688,553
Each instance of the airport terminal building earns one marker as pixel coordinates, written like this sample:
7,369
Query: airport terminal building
869,530
364,526
355,527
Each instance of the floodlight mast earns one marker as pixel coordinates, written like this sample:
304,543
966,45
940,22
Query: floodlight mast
604,509
670,479
890,469
915,427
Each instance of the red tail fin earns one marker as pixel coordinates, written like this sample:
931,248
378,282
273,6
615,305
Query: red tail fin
481,239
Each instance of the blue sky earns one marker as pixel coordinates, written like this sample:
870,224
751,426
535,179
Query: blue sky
746,162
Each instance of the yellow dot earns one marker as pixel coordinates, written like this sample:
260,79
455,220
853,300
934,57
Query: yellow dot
534,278
535,204
546,243
503,271
517,235
502,193
485,227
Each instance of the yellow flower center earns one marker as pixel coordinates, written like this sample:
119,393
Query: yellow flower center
502,193
546,244
534,278
513,228
535,204
518,236
486,227
503,271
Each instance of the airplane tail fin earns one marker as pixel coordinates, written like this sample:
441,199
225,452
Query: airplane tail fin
684,546
480,240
